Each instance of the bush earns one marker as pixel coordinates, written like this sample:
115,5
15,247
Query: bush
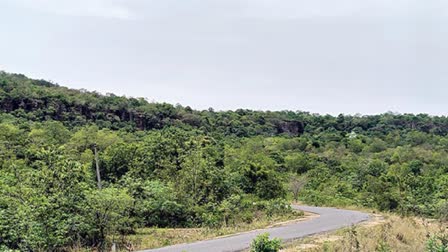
443,212
262,243
278,207
437,243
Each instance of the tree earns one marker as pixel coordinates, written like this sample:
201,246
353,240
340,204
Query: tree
156,203
296,184
43,209
97,141
109,213
298,163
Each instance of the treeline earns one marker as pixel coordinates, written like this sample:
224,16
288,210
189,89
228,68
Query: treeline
39,100
226,168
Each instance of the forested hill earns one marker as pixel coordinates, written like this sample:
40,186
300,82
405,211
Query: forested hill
79,169
39,100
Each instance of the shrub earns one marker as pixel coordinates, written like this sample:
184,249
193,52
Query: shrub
437,243
443,212
262,243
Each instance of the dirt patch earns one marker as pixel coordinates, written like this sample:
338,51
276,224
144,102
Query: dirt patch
375,219
306,217
315,242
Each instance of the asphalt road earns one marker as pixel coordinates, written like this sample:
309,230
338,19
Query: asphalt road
329,219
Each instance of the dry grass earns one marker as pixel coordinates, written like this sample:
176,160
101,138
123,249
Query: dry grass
388,233
147,238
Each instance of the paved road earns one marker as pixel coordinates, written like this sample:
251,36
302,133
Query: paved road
329,219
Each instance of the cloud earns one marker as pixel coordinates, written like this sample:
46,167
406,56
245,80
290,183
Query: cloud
264,9
325,8
94,8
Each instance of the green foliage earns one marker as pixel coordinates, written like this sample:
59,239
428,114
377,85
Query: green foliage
109,213
442,213
172,166
437,243
262,243
156,203
42,209
298,163
383,247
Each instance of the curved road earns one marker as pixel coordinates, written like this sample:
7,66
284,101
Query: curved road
329,219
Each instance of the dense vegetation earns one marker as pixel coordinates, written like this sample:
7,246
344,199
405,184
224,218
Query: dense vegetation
171,166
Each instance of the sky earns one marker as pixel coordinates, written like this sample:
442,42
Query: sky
321,56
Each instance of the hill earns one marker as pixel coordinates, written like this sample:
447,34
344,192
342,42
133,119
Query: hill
79,169
40,100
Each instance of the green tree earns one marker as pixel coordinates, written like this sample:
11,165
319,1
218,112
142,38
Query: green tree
109,214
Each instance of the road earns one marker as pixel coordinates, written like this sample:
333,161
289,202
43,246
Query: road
329,219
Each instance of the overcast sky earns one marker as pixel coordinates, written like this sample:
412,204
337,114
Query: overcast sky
323,56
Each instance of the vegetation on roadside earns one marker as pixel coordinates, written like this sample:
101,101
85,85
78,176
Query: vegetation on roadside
437,243
145,238
262,243
83,170
384,233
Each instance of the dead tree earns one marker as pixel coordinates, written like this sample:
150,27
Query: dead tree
296,185
97,165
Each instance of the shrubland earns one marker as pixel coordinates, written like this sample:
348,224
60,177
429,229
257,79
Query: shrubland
82,169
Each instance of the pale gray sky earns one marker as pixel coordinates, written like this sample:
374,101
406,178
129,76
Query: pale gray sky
324,56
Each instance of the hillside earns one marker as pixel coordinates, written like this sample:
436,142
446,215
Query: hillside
39,100
82,170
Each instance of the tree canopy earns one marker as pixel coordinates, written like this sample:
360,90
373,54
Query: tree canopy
172,166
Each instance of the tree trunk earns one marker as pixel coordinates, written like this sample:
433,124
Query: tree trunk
98,175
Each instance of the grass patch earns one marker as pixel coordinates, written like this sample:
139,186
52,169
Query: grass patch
383,233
